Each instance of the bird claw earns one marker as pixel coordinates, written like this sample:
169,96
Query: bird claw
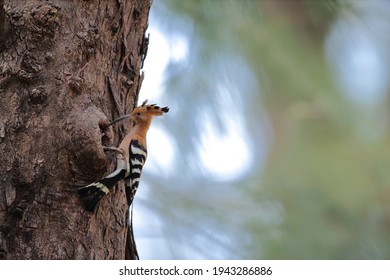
120,152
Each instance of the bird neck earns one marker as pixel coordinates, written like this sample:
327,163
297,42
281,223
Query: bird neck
139,132
141,128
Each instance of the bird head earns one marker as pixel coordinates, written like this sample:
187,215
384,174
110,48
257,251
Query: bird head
144,113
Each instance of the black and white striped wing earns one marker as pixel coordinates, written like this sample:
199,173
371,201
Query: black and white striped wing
94,192
138,155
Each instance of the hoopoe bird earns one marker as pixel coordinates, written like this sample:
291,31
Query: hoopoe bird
131,158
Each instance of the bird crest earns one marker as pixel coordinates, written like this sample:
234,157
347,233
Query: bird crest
151,109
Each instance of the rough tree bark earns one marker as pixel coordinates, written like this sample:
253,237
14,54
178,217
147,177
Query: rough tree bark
66,69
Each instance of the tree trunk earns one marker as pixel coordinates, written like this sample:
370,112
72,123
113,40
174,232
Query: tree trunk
66,69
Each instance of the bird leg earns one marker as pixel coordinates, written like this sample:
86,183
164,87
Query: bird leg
120,152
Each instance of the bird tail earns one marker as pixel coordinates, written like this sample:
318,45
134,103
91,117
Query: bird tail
131,252
93,193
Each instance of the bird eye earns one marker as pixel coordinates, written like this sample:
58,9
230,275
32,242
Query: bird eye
138,114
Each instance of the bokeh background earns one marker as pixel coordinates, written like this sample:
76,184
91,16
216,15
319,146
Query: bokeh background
277,145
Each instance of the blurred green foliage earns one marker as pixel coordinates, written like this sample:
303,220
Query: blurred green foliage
322,190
